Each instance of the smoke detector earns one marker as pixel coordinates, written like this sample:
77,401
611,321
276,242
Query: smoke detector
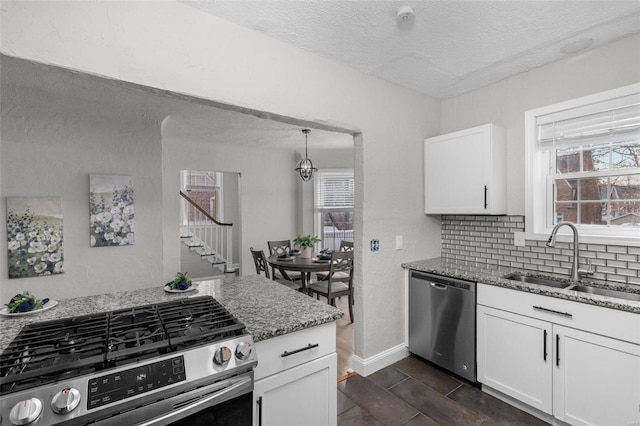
405,14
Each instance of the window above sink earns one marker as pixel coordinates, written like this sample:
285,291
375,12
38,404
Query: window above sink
583,166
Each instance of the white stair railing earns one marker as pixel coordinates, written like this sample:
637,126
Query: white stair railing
210,238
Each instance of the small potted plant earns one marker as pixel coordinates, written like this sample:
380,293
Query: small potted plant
25,302
306,243
181,282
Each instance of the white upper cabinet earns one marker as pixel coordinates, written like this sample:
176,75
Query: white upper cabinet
465,172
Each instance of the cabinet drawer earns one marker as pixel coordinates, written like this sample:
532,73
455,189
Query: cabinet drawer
595,319
270,351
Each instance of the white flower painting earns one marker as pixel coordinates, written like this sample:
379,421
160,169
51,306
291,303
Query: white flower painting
111,210
34,234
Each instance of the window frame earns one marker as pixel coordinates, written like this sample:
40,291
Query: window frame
539,183
317,211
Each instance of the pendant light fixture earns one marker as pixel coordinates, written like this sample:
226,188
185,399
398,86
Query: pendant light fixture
305,166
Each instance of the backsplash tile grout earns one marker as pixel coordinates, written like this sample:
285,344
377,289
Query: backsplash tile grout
489,239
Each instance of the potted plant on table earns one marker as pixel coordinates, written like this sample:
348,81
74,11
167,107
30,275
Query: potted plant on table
306,242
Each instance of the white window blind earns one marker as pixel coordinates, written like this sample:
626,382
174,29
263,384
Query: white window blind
611,121
334,190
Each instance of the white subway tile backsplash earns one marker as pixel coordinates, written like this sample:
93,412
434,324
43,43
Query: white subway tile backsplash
626,272
616,278
489,239
617,249
628,258
617,264
610,256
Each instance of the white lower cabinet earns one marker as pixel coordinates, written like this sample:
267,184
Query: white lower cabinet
512,358
596,380
300,387
534,351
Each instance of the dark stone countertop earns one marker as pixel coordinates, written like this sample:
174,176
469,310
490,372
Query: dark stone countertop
493,275
266,308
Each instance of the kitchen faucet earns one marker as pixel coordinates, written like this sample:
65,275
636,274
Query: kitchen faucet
575,272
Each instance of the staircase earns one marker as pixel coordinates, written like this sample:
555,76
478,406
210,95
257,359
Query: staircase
205,237
196,265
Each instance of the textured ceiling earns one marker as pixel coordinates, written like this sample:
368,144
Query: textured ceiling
450,47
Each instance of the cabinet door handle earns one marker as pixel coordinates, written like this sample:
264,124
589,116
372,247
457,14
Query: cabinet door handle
557,350
309,346
540,308
485,196
259,402
544,350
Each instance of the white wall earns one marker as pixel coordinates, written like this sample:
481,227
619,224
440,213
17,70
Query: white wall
267,188
504,103
174,47
50,145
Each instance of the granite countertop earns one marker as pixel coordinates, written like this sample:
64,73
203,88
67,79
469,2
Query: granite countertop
266,308
493,275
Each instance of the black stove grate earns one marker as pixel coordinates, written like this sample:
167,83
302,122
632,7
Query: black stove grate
47,352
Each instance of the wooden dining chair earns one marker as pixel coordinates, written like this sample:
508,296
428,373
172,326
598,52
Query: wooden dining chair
337,286
279,248
260,261
344,246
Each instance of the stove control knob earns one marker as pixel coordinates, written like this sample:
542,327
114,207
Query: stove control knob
222,356
65,401
243,351
25,412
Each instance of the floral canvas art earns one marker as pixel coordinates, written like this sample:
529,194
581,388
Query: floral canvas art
34,233
111,210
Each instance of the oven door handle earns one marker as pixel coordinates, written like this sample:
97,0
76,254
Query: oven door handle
220,389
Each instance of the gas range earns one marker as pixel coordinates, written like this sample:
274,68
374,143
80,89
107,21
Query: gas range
125,366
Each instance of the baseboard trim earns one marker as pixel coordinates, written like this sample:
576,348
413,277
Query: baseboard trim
366,366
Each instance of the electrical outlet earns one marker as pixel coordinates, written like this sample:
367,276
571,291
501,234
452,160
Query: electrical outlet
518,239
375,245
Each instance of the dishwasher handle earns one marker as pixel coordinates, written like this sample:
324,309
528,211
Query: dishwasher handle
438,286
441,282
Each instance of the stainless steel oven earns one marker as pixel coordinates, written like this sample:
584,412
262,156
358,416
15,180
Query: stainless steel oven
182,362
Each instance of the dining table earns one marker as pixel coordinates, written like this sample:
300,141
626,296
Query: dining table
305,265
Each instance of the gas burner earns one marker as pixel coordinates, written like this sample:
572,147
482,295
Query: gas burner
186,321
135,338
68,343
48,361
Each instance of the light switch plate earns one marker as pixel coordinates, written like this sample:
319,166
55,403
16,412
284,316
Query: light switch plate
518,239
398,242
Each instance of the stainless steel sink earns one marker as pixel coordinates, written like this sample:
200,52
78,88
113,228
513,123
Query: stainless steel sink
607,292
548,281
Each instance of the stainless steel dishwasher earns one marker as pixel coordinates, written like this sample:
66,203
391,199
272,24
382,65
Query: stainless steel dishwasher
442,322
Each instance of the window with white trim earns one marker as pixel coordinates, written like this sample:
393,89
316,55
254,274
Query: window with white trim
333,206
583,167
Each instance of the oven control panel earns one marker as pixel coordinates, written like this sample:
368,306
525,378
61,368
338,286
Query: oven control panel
134,381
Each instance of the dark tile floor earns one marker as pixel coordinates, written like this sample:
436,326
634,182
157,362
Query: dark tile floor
413,392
